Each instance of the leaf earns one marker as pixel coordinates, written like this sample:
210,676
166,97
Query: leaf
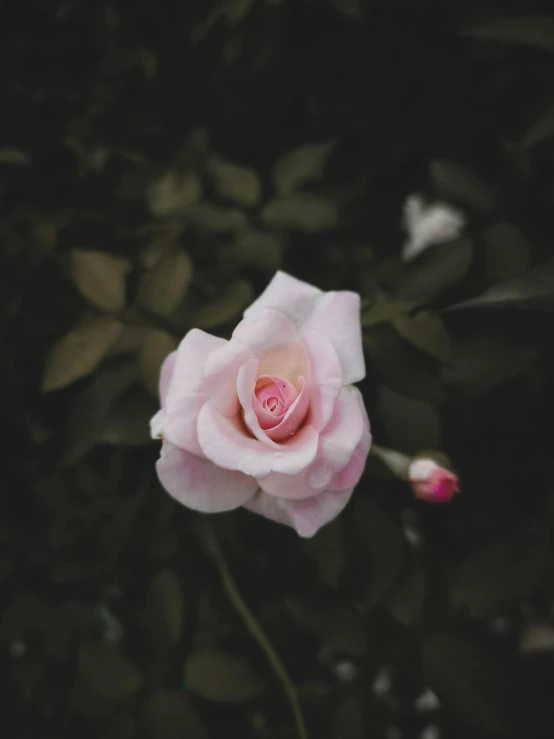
471,683
301,211
129,421
426,332
326,550
106,671
532,291
11,155
169,715
155,348
237,10
300,166
540,130
240,185
166,606
519,31
347,722
90,409
259,249
100,278
454,182
350,8
433,273
221,677
227,308
379,546
173,193
385,312
210,219
162,289
502,571
79,352
407,600
506,250
411,425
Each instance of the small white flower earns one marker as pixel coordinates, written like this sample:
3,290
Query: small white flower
428,224
537,639
427,702
382,683
346,671
430,732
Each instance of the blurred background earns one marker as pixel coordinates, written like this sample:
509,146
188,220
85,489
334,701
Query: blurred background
158,163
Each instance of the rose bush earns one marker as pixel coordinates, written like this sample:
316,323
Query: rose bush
269,420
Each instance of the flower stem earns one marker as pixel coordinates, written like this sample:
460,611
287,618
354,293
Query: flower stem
254,627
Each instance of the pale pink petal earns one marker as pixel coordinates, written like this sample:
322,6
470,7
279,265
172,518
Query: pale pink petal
187,393
226,442
294,416
246,382
306,516
265,332
325,377
294,298
337,315
157,423
309,515
199,484
166,373
341,446
220,376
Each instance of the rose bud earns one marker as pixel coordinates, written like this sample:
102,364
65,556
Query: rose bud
431,482
269,420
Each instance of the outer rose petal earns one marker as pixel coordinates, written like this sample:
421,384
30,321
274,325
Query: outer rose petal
265,331
166,373
187,392
325,377
337,315
199,484
339,445
224,441
294,298
306,516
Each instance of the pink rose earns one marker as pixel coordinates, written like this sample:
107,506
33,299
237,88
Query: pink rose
268,420
431,482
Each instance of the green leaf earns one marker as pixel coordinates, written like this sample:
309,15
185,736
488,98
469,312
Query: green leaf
407,600
378,544
169,715
79,352
540,130
533,291
454,182
173,193
129,420
156,346
518,31
15,156
166,606
502,571
211,219
221,677
471,683
20,615
106,672
506,250
434,273
426,332
225,309
236,10
258,249
163,288
350,8
385,312
301,211
411,425
326,550
240,185
347,722
100,277
301,165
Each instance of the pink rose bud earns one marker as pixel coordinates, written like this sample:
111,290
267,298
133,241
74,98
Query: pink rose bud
431,482
269,420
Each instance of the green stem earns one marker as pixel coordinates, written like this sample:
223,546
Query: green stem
254,627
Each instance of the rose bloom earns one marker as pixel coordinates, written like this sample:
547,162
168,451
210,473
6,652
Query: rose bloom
431,482
269,420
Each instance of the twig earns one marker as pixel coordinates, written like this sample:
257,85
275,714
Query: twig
254,627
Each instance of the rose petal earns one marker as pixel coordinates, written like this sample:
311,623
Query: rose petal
264,332
351,474
337,315
157,423
199,484
340,445
306,516
325,377
220,376
246,381
294,416
166,373
225,442
187,392
294,298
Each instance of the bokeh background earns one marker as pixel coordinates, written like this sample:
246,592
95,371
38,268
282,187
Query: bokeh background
158,163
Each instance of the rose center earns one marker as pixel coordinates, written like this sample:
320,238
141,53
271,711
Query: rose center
274,405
